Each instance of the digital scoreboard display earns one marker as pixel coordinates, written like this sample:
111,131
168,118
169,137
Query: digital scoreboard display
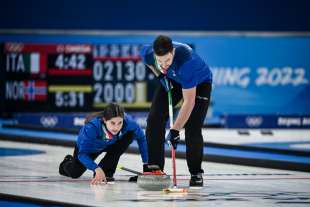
74,77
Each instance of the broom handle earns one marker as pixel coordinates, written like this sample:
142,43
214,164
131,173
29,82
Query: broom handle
171,147
129,170
173,166
170,107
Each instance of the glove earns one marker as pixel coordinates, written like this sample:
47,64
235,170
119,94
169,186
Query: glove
165,82
174,137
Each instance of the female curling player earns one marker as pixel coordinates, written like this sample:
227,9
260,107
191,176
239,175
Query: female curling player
110,131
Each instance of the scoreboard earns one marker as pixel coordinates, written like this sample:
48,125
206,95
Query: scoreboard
74,77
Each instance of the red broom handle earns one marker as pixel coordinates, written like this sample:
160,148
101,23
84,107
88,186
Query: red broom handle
173,166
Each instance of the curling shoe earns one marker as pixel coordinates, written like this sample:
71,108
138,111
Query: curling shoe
196,181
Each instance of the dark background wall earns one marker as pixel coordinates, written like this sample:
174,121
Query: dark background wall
215,15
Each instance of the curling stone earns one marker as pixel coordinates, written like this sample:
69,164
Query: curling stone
154,181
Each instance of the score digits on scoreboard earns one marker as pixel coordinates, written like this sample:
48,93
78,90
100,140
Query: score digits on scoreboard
119,75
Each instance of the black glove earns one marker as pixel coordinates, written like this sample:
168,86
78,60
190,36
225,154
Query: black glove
165,82
174,137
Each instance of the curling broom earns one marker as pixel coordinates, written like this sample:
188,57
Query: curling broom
173,189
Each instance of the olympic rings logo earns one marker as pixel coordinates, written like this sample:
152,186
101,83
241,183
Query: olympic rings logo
49,121
254,121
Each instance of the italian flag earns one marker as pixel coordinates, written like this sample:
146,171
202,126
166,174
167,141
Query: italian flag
35,63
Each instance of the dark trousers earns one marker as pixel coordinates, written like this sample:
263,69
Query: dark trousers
74,168
157,119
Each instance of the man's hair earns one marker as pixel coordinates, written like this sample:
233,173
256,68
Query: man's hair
162,45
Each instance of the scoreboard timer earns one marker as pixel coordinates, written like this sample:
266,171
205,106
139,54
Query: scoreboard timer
74,77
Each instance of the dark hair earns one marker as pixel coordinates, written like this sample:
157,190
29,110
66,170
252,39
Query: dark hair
162,45
111,110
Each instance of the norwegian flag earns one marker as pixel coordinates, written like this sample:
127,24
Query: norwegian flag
35,90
